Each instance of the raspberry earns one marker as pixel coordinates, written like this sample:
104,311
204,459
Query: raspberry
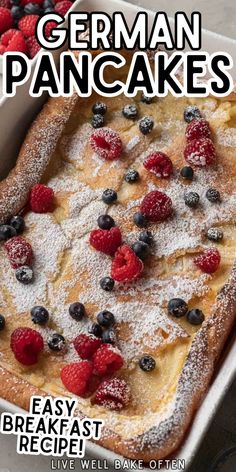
48,28
27,25
33,46
106,143
86,345
126,266
106,240
26,343
41,198
156,206
198,129
5,3
208,261
23,3
200,152
6,20
17,43
19,252
113,394
77,377
63,7
7,36
2,49
107,360
159,164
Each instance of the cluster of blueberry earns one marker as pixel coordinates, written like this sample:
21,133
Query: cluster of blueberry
130,112
161,166
102,329
192,199
99,110
106,321
178,308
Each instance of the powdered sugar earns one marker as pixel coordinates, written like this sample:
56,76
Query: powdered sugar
72,147
157,329
183,230
46,264
66,267
154,292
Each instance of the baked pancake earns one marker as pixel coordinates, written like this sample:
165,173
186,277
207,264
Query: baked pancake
57,152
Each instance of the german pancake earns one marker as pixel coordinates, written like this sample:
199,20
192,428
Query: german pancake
173,306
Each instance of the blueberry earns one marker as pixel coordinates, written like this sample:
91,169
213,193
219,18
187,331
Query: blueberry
140,220
105,222
146,237
32,9
213,195
145,99
215,234
107,284
24,275
177,307
39,315
195,317
97,121
6,232
131,176
96,330
2,322
99,108
147,363
49,10
56,342
15,2
130,112
109,336
109,196
187,173
18,223
48,4
105,319
192,112
17,12
146,125
77,311
141,249
191,199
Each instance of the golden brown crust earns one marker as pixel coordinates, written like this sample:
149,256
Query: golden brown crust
158,442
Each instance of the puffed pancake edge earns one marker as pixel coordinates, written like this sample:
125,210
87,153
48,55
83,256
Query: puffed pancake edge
162,439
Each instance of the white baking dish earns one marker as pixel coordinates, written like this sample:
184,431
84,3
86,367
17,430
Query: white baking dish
16,114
